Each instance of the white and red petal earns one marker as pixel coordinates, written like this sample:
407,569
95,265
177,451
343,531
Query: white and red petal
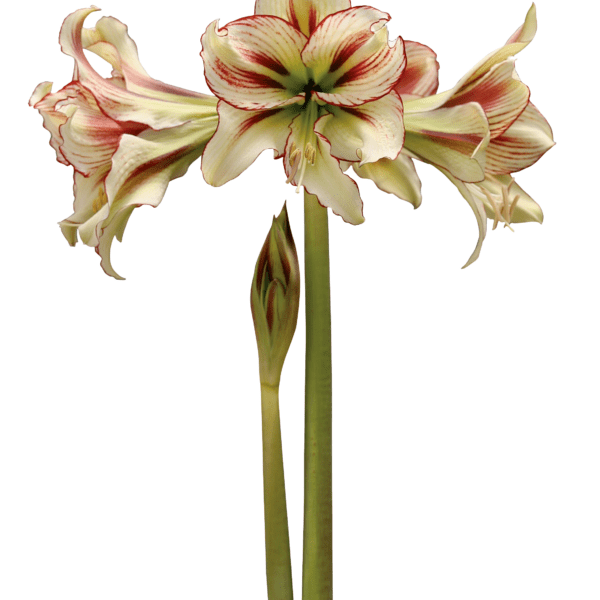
350,58
450,138
364,133
324,177
110,40
501,94
141,170
117,102
398,177
304,15
90,138
521,145
254,63
240,137
517,42
420,77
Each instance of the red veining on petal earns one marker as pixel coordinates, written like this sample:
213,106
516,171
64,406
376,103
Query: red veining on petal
242,78
263,60
312,18
347,49
254,119
459,137
292,14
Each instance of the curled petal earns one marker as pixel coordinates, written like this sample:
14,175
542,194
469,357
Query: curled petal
521,145
254,63
500,93
324,177
240,137
398,177
450,138
116,101
365,133
519,40
304,15
478,209
351,59
420,77
110,40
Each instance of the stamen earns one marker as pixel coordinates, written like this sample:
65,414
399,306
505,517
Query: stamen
503,208
294,160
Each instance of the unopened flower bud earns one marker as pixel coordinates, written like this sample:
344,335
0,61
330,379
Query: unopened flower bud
275,298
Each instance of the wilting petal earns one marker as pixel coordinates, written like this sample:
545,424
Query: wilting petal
521,145
367,132
117,102
420,77
351,59
240,137
500,93
522,207
478,210
254,63
304,15
141,170
323,178
398,177
110,40
451,138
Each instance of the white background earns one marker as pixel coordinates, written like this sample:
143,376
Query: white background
466,417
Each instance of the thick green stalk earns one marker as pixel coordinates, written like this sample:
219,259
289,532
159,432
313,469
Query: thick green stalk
317,574
277,539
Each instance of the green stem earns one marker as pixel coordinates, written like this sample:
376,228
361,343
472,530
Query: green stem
317,574
277,538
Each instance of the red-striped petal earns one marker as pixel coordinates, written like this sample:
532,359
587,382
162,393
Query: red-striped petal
350,57
499,92
364,133
240,137
254,63
304,15
521,145
420,77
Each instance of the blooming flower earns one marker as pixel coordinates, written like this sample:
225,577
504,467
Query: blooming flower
478,133
126,136
313,80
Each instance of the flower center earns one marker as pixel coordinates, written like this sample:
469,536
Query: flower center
303,150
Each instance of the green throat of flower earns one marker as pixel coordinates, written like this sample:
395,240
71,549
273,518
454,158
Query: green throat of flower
303,148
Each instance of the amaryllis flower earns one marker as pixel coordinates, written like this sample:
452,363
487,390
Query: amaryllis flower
126,136
477,134
312,79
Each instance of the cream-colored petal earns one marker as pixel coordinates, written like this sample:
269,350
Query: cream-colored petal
240,137
420,77
321,175
90,197
451,138
365,133
304,15
478,209
521,145
254,63
398,177
350,58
